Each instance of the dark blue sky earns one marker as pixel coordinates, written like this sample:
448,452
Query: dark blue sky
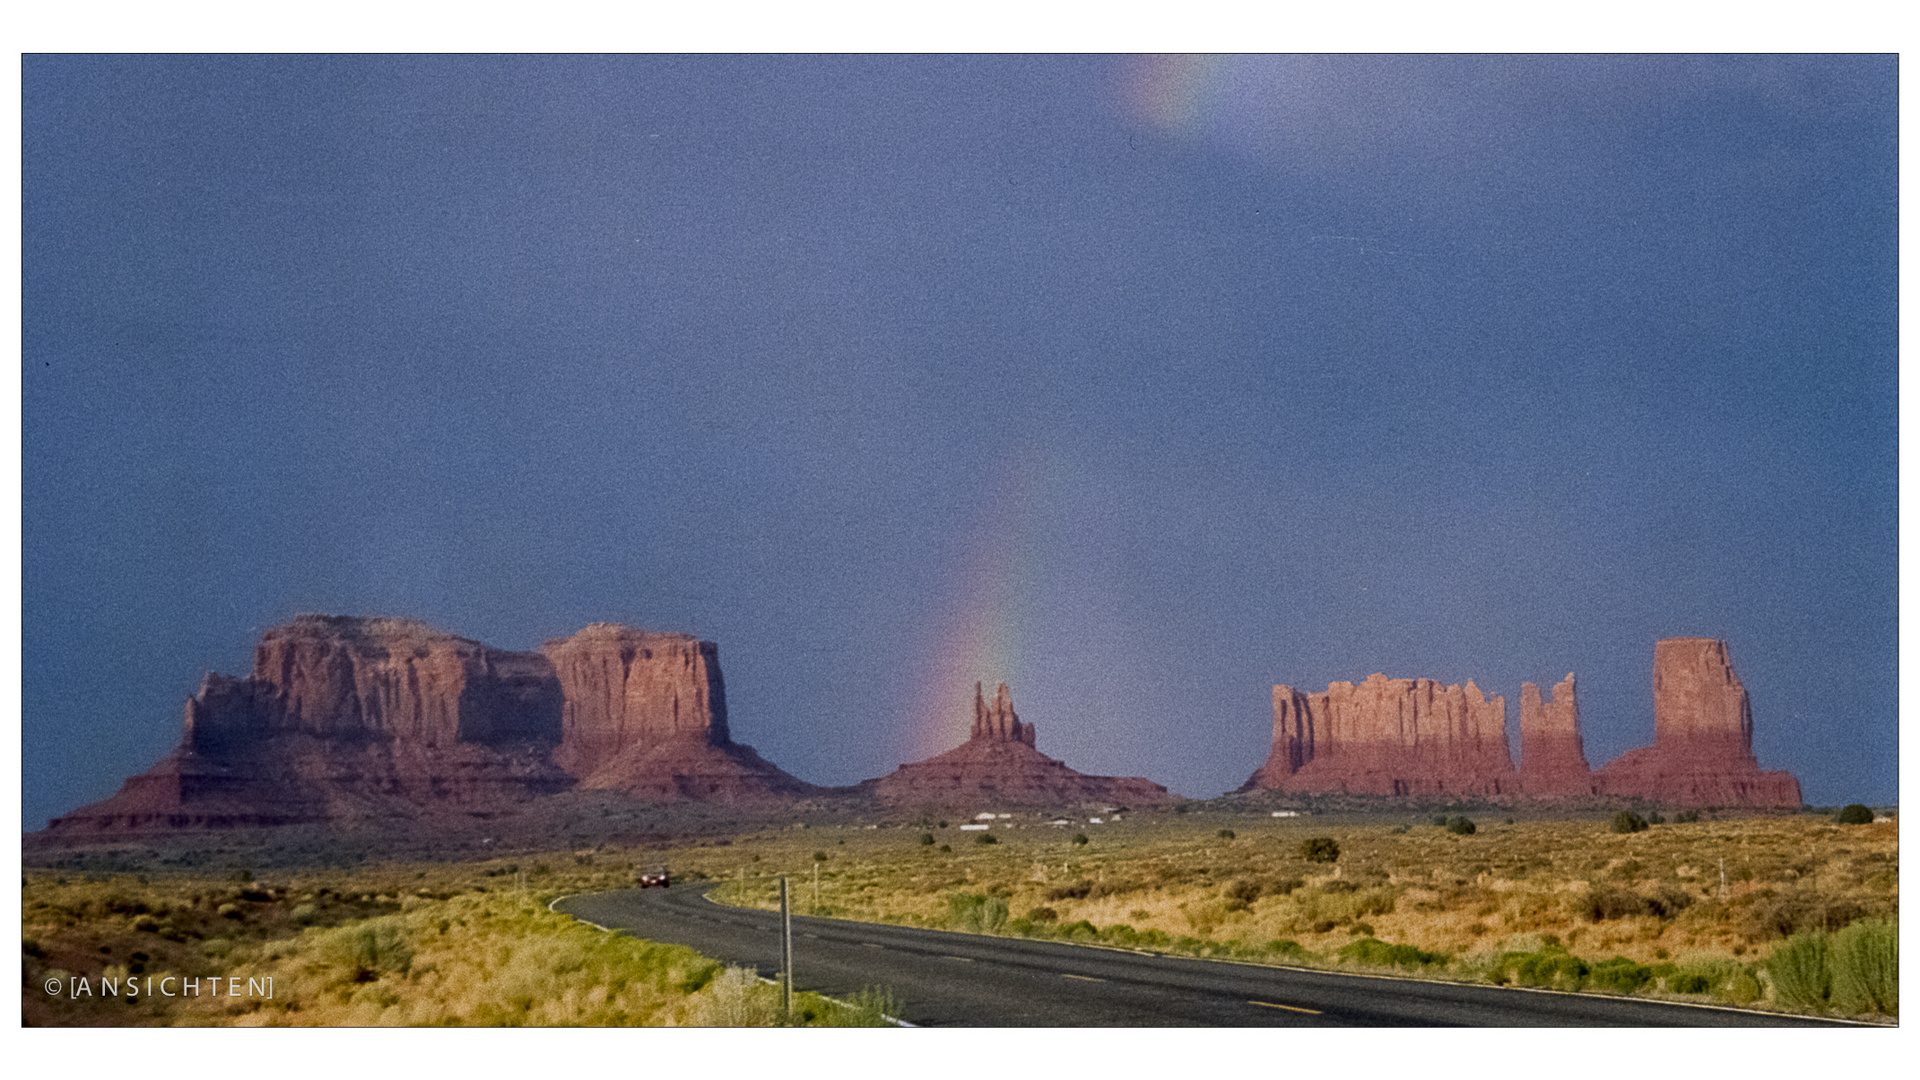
1140,384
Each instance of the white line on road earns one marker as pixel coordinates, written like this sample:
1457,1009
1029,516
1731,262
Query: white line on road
1082,978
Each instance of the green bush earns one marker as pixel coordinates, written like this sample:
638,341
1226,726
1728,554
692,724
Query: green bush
1320,849
1626,821
1855,814
1370,950
1619,975
1550,967
976,912
1460,826
1799,970
1864,960
1043,915
1689,982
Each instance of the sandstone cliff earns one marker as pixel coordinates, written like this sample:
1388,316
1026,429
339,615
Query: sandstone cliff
1394,737
1702,752
348,717
999,766
1553,759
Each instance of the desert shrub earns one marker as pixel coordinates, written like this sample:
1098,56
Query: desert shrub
1370,950
948,848
1607,902
1243,891
1626,821
1440,820
303,913
977,912
1082,928
1689,982
1225,834
986,838
1654,818
1020,927
1320,849
1686,817
1855,814
1552,966
926,839
1460,826
1619,975
1287,947
1079,839
1799,970
1668,901
368,950
1070,892
1043,915
1285,886
1338,886
1785,914
1864,960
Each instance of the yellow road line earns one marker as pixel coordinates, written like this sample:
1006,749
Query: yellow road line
1289,1008
1082,978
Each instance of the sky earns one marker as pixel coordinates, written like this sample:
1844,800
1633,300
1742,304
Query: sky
1139,383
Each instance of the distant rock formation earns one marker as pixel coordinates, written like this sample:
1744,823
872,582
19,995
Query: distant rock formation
999,766
1702,752
346,717
1410,738
1553,760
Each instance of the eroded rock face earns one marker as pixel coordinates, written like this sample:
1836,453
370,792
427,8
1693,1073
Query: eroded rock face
999,766
1553,758
1702,752
1393,737
347,717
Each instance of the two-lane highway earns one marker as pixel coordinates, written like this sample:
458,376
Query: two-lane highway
951,979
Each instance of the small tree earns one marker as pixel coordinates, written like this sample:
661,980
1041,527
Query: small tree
1626,821
1320,849
1855,814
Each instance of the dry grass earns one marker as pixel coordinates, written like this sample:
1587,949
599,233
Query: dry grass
1173,883
471,945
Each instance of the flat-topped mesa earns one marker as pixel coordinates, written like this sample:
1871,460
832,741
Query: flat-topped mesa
354,717
646,715
998,722
1702,752
359,679
998,764
1394,737
623,687
1553,759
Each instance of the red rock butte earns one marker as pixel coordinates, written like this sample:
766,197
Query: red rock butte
1702,752
349,717
1553,759
1413,738
999,765
1409,738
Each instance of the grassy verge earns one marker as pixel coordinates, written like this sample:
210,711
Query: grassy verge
399,946
1563,904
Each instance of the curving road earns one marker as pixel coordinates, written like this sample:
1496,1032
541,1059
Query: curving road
951,979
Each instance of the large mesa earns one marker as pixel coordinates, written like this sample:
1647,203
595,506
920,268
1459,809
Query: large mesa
349,717
1408,738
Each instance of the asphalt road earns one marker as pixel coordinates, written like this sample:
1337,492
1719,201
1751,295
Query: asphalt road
969,980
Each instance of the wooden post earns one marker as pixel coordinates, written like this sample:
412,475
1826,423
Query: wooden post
786,954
